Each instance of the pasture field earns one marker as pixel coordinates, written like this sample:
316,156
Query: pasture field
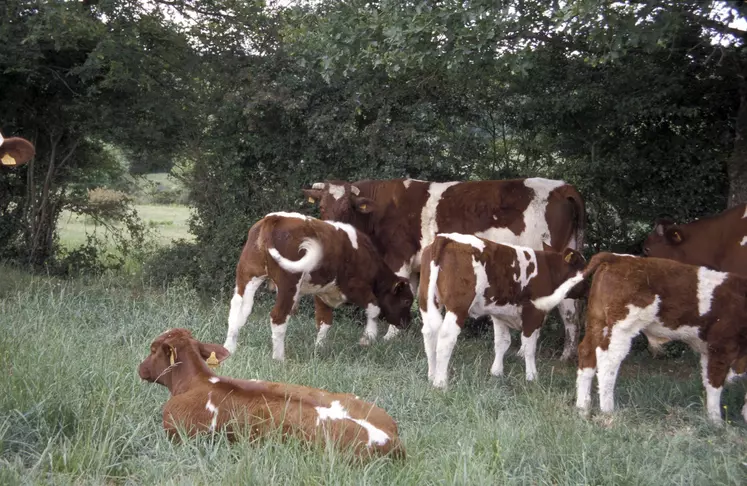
74,411
169,222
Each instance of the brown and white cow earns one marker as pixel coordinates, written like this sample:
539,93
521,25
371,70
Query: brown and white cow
403,216
331,261
471,276
15,151
718,242
666,300
202,402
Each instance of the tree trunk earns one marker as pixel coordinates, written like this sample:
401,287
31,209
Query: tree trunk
736,166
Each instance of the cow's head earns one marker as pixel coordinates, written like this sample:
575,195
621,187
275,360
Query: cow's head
574,262
173,350
15,151
340,201
665,240
396,302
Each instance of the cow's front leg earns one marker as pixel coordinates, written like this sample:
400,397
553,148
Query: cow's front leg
570,314
502,341
372,325
714,368
530,329
323,316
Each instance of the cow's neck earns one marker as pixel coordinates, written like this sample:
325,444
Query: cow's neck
183,372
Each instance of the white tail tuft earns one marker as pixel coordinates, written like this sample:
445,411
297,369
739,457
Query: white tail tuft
546,304
1,139
355,190
308,262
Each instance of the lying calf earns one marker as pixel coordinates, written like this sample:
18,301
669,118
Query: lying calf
471,276
665,300
332,261
15,151
203,402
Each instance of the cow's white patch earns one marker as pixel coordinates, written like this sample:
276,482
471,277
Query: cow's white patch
447,338
213,379
348,229
432,320
708,281
584,379
336,191
510,314
321,336
465,240
1,139
526,258
239,312
657,332
210,407
372,325
713,394
329,293
278,341
624,255
605,331
285,214
391,333
623,332
407,183
337,412
428,224
744,241
745,212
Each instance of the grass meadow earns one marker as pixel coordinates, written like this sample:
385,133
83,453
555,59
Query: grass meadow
74,411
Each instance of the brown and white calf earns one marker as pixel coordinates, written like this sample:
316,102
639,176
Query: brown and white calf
15,151
665,300
471,276
203,402
718,242
403,216
331,261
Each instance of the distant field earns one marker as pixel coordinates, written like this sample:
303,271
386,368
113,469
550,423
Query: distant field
168,222
74,411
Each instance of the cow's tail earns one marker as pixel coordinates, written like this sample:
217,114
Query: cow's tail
548,302
312,248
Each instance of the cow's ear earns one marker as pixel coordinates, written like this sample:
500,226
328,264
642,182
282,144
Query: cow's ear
313,195
674,235
214,354
363,205
399,286
573,257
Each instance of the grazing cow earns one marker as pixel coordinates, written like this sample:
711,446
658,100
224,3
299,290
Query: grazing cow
332,261
718,242
471,276
665,300
15,151
402,217
203,402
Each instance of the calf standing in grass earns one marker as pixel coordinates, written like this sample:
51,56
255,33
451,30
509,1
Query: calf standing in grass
203,402
332,261
15,151
471,276
665,300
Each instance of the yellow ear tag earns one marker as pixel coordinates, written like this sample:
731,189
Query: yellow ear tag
311,199
8,160
568,257
173,356
363,206
212,361
677,236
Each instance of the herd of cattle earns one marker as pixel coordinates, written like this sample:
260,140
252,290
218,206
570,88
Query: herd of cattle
506,249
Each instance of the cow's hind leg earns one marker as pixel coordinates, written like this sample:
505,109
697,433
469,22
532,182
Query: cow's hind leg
287,299
714,365
447,338
432,320
609,361
323,316
587,365
570,314
502,341
241,307
530,330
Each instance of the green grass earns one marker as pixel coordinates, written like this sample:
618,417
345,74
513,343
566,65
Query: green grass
73,410
168,222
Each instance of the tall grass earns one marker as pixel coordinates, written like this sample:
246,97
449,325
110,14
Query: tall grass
74,411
